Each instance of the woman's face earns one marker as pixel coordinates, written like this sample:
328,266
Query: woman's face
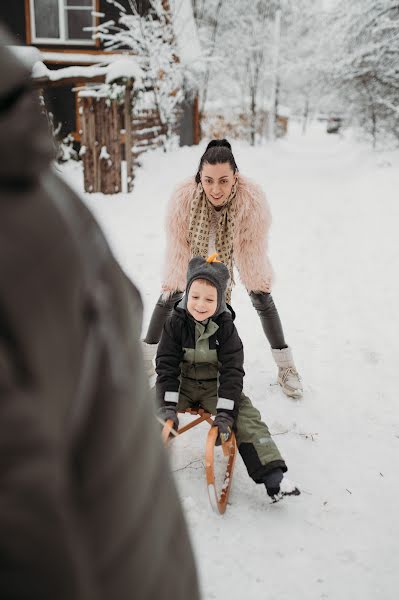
217,181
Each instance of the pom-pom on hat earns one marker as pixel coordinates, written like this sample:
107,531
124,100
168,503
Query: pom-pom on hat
212,270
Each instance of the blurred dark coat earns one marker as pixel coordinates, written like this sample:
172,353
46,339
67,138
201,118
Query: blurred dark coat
88,508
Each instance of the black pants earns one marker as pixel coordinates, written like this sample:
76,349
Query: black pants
262,302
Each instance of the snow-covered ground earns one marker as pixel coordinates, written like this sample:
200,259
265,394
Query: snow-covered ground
335,250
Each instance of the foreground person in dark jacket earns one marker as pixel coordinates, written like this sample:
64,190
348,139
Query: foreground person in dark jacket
200,363
84,485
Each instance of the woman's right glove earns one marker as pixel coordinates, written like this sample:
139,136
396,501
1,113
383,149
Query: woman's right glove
224,422
169,412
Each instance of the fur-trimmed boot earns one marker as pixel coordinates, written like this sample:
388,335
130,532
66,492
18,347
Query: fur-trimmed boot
149,353
288,376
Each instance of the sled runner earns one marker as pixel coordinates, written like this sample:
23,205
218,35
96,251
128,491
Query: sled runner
218,501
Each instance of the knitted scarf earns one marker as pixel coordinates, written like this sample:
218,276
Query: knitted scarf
198,233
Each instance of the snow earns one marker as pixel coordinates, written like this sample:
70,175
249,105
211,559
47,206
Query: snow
104,154
186,33
41,70
125,67
334,247
29,55
81,57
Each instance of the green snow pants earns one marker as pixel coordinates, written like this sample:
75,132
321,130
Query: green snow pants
255,444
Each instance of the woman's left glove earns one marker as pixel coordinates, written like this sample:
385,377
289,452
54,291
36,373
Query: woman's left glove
169,412
224,422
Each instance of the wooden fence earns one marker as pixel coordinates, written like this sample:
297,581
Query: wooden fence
111,132
101,150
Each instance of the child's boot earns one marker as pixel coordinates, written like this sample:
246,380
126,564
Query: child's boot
278,486
288,376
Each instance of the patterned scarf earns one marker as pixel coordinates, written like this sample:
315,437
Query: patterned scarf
198,233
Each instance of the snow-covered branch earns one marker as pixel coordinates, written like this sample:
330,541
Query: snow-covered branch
152,40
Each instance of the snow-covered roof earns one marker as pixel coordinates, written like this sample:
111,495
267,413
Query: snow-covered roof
29,55
81,57
186,33
123,67
111,66
40,70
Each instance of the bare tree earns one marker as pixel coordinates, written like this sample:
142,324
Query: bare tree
365,65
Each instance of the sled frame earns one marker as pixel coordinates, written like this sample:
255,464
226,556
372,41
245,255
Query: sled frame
218,500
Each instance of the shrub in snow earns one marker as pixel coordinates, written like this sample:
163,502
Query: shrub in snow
63,146
66,150
151,38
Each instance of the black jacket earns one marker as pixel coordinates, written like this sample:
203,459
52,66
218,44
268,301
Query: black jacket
221,360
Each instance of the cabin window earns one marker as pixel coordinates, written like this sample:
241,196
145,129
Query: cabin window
62,21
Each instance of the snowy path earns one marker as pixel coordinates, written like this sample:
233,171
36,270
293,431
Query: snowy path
334,247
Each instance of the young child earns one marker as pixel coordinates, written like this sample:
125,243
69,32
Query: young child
200,363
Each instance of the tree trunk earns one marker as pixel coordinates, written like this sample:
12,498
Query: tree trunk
305,116
213,44
374,125
373,113
276,52
253,117
128,136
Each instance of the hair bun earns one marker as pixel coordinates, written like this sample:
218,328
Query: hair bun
222,142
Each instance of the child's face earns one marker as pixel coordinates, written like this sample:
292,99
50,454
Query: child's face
202,300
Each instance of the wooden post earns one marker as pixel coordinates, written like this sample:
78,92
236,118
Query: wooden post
115,147
99,117
87,149
108,139
102,153
128,135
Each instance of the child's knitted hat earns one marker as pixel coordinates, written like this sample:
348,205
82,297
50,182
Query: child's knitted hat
212,270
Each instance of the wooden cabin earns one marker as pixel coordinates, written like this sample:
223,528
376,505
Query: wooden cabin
55,27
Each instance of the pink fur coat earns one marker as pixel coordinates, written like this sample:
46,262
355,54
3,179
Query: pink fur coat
253,220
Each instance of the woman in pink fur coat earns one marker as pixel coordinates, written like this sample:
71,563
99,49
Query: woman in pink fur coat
219,210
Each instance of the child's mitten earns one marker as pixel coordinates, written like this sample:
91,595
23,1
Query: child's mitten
224,422
169,412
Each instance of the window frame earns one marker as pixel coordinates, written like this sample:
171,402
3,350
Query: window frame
62,40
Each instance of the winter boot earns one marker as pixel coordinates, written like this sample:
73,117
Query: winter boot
149,353
288,376
278,486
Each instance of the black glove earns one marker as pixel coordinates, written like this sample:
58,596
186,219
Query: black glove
272,481
169,412
224,422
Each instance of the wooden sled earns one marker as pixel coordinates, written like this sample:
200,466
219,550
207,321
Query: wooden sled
218,501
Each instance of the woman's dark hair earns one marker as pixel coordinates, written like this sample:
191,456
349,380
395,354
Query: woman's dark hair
217,151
